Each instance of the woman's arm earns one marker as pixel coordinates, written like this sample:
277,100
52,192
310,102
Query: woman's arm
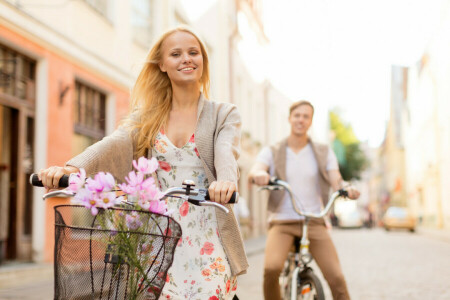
226,152
113,154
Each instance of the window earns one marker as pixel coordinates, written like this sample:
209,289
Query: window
141,21
17,74
89,117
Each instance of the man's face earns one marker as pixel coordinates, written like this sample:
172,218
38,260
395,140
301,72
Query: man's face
301,119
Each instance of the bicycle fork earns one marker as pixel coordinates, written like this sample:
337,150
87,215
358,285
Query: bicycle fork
304,259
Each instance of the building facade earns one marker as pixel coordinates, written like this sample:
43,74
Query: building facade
66,69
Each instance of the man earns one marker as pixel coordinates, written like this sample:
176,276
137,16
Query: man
311,169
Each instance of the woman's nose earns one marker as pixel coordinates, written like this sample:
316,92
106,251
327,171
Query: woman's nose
186,58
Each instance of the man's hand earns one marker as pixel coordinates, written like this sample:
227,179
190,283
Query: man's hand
353,193
259,177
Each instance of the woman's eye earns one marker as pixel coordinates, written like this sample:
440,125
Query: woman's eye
193,53
175,54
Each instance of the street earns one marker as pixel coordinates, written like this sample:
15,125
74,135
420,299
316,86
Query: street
378,265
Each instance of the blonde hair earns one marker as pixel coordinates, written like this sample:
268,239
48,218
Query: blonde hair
151,96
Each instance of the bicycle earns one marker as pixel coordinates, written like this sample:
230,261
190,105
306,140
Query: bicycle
90,264
297,279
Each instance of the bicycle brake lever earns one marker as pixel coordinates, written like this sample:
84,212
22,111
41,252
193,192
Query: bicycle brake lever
271,188
209,203
59,193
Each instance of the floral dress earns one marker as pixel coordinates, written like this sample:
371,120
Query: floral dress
200,269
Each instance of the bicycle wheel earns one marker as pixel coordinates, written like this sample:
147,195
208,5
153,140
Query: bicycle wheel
285,277
309,286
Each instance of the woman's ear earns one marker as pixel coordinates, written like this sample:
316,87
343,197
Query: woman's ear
162,68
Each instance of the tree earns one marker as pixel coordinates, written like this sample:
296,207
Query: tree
352,160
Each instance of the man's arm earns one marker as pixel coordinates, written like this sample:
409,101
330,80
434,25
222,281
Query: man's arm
259,174
337,183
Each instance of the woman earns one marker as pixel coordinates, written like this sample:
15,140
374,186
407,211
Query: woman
192,138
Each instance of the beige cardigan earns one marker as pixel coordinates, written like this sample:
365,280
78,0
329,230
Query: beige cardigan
217,138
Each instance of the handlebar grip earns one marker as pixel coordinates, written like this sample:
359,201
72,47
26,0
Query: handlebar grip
273,181
343,193
233,200
63,181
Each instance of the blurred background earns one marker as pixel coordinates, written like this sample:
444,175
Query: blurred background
377,72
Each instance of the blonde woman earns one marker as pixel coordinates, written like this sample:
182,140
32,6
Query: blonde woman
192,138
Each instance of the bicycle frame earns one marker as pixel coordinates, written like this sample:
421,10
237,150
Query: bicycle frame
304,256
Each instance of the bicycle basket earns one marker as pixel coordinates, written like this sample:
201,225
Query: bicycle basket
117,254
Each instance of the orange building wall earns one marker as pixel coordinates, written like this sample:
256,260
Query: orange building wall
63,72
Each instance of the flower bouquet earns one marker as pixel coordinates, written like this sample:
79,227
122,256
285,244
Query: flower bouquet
118,240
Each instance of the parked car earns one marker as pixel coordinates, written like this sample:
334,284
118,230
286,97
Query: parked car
350,219
399,218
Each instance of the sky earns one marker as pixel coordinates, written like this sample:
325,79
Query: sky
338,53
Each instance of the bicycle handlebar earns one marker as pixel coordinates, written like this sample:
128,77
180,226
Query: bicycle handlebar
278,184
197,197
35,181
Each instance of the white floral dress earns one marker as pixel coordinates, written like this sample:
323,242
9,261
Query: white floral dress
200,269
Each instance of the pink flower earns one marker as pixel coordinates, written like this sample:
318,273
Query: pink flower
213,298
157,206
133,220
134,180
192,139
184,209
164,165
76,181
145,166
108,199
196,152
88,199
101,182
151,192
207,248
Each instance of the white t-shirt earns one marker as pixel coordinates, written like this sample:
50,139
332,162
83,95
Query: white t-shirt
302,174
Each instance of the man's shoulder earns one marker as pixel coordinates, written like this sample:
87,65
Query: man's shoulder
278,144
319,146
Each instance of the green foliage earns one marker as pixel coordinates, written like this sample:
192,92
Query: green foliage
352,160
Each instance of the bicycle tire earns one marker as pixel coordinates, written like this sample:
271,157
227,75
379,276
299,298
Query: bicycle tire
307,278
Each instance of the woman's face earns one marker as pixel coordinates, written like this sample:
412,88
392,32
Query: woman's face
182,58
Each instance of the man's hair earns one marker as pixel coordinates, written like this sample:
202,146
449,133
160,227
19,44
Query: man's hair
300,103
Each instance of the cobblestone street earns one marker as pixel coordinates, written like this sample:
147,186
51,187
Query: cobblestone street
379,265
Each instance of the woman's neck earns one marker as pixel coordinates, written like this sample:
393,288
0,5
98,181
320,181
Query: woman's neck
185,97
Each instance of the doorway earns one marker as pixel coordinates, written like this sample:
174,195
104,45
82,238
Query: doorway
17,111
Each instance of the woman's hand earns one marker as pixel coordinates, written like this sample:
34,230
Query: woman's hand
50,177
221,191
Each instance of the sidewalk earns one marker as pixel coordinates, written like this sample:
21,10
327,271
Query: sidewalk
29,281
35,281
